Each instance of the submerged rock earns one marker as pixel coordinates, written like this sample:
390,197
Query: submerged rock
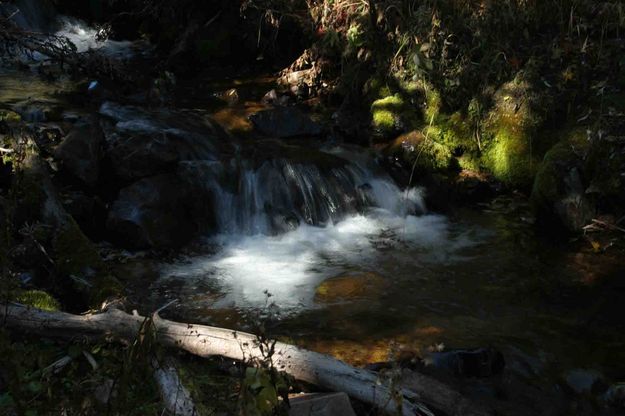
480,362
152,212
350,286
284,122
80,153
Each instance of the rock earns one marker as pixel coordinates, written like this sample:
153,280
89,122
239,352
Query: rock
80,153
321,404
349,286
273,98
284,122
88,211
583,381
615,396
48,138
559,195
142,155
152,212
230,97
479,362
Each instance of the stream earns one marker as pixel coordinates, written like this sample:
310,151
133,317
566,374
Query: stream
317,236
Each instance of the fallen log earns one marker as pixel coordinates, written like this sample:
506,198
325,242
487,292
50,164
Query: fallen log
175,396
205,341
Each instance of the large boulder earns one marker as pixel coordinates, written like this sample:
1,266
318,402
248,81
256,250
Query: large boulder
141,156
153,212
80,153
285,122
559,194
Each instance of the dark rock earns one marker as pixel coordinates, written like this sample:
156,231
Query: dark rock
583,381
153,212
88,211
47,138
142,155
615,396
283,223
6,170
80,153
559,195
284,122
479,362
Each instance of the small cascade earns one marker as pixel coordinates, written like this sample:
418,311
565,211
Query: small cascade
265,187
40,17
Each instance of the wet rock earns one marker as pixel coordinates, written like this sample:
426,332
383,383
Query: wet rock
479,362
273,98
80,153
584,381
350,286
152,212
285,122
230,97
142,155
283,223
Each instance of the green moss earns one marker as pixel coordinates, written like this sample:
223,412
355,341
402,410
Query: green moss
386,112
38,299
425,154
565,153
10,116
433,104
511,139
509,157
453,131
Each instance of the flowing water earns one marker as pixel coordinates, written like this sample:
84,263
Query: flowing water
357,266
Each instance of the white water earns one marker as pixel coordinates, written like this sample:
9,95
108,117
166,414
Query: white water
85,38
33,16
291,265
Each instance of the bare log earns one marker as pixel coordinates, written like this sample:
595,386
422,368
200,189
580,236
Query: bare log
206,341
175,396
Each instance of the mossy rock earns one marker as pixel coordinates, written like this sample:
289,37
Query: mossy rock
9,116
38,299
559,190
424,154
386,112
510,159
350,286
512,139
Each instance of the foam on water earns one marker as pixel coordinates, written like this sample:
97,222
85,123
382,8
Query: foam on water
291,265
86,38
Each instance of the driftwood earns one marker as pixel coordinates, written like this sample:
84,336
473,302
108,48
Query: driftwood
205,341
